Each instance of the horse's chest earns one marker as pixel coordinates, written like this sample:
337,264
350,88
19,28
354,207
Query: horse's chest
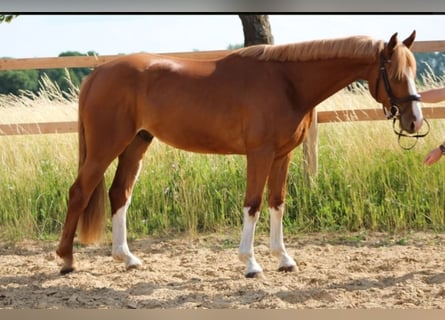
296,137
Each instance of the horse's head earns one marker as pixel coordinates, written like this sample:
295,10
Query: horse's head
395,84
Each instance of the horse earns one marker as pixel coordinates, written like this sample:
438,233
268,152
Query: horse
255,101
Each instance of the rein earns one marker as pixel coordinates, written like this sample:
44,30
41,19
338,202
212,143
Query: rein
416,136
394,101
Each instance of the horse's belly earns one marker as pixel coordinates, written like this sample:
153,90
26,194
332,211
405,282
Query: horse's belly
201,143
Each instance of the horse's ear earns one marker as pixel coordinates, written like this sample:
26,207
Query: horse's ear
410,40
391,44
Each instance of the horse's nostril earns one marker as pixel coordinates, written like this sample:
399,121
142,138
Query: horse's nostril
412,127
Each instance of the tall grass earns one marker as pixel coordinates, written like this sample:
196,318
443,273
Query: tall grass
365,180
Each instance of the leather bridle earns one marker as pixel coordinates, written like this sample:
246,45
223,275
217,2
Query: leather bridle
394,112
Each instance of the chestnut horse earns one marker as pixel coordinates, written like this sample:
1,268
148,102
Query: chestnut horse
256,101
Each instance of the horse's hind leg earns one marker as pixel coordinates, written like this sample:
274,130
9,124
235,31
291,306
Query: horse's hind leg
120,196
90,174
277,193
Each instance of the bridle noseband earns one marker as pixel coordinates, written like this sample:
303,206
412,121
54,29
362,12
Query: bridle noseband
394,101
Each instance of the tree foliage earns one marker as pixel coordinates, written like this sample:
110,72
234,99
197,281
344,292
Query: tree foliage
7,17
430,64
13,81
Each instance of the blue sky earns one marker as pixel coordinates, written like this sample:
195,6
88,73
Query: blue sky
30,36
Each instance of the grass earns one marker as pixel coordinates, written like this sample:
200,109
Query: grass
366,182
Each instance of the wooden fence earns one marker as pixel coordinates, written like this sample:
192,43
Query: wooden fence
309,146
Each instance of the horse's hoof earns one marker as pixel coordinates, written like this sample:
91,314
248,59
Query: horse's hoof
133,266
258,275
132,262
287,269
66,270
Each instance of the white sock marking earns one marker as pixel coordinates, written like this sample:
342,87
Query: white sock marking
120,250
246,254
276,237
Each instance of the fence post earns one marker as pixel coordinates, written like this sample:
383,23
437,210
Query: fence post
310,150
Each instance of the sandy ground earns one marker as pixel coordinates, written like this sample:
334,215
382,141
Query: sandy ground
340,272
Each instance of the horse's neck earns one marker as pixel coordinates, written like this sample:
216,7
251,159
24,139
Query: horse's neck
324,78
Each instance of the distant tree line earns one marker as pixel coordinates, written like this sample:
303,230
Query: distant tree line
430,63
15,81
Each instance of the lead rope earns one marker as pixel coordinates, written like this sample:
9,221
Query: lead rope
415,136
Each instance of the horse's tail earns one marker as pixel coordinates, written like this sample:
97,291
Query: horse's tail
91,223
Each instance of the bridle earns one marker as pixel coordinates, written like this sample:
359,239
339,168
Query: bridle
394,112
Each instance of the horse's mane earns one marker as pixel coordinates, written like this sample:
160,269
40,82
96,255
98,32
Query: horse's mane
349,47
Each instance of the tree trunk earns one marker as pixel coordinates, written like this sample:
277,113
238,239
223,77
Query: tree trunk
256,29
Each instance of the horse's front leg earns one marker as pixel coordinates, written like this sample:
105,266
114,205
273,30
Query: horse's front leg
246,252
276,240
277,193
258,166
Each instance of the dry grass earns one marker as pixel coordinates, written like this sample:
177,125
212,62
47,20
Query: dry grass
49,104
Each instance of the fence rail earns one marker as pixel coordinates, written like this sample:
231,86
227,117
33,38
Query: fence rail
309,146
38,128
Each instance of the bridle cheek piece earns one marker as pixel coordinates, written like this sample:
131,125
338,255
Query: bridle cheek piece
394,112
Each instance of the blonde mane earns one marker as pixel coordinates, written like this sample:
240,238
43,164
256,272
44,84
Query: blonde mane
350,47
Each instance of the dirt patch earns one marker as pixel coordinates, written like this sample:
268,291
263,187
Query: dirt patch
204,272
